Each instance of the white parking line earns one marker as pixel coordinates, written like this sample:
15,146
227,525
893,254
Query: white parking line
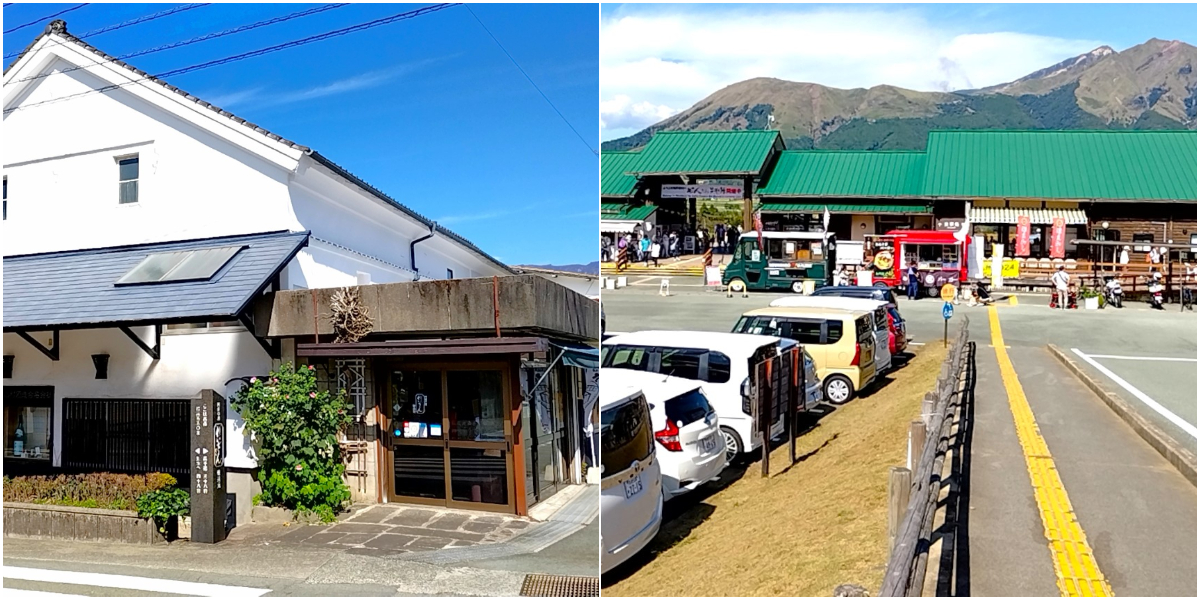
1155,406
129,582
19,593
1162,358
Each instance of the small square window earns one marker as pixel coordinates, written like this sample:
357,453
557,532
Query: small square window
449,273
128,169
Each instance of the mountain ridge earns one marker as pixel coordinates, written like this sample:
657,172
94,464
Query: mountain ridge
1148,86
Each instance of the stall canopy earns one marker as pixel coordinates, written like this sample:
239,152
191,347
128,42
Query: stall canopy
578,355
623,218
1037,216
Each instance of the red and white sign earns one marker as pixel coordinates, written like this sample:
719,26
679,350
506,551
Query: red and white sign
1022,236
758,228
1058,238
702,191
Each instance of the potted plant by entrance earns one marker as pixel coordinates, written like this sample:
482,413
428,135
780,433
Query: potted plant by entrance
1092,299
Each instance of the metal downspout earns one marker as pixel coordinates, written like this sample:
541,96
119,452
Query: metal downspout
412,250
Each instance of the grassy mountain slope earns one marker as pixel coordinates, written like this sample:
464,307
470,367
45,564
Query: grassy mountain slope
1149,86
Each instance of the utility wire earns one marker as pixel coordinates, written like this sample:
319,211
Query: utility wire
530,80
234,58
209,36
143,19
35,22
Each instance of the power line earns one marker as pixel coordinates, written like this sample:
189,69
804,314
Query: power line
530,80
35,22
221,61
205,37
143,19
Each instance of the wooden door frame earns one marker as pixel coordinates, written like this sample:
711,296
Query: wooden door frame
514,486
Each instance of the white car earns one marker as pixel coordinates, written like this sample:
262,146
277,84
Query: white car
879,320
721,361
690,449
631,497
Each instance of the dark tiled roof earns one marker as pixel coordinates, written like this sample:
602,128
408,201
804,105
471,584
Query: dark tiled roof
59,27
77,288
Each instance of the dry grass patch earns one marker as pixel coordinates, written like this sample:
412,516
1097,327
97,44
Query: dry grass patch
803,531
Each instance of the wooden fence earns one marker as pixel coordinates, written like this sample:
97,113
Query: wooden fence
914,490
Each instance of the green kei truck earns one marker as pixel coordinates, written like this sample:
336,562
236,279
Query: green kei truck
800,261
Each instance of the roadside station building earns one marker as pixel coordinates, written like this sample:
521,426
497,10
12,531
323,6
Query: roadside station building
1111,186
148,238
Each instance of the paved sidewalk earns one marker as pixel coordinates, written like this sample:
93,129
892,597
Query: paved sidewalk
390,529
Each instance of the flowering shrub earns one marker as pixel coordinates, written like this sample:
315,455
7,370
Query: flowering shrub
91,490
295,428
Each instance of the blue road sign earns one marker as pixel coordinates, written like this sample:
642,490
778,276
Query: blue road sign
947,311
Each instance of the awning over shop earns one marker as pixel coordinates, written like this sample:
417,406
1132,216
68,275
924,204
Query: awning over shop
491,345
889,209
196,280
579,355
1037,216
619,226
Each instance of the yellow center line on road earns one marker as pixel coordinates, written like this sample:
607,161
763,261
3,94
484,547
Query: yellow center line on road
1074,562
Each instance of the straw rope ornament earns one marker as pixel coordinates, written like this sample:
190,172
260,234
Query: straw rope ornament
351,319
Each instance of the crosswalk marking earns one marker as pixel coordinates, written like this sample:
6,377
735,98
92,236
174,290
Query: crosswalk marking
129,582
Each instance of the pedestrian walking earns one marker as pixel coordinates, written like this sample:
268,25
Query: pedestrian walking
1062,283
644,249
720,238
1124,256
913,286
655,250
1154,256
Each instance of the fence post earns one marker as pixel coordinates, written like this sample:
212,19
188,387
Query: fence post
899,490
916,442
927,407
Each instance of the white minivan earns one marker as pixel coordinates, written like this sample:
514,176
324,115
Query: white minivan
631,497
879,320
689,446
721,361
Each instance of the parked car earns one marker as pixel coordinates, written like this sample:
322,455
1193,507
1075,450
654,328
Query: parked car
631,482
842,343
721,361
874,293
690,450
885,338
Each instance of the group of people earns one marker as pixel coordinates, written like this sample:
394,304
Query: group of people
725,238
641,247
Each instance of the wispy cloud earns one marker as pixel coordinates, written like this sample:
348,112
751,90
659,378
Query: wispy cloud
482,216
657,60
260,97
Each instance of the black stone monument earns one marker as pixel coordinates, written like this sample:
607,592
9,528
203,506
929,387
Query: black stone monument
208,467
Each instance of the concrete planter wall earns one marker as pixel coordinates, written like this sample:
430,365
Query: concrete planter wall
74,523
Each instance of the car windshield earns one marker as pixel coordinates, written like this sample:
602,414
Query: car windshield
687,408
625,435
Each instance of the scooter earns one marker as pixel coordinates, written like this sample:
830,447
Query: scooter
1156,295
1112,293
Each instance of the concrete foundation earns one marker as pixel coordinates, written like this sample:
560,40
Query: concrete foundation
74,523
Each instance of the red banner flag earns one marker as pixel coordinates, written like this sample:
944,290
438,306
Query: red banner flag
758,228
1022,236
1058,238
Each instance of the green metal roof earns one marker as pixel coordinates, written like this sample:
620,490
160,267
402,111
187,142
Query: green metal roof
625,212
868,174
1102,165
613,169
707,152
770,207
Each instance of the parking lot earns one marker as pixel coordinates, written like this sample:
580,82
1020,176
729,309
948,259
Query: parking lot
1137,510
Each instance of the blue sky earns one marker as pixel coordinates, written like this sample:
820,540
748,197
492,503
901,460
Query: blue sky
429,110
656,60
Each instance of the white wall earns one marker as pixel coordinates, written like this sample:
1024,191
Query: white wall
190,362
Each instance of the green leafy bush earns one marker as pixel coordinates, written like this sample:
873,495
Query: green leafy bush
295,429
163,504
117,491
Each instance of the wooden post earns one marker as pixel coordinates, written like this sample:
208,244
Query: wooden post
798,394
928,405
764,400
899,490
916,443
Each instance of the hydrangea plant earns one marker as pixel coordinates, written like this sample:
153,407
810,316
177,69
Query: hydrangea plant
294,428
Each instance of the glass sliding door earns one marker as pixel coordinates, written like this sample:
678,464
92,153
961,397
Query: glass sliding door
450,437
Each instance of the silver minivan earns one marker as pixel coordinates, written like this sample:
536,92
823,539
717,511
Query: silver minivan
631,496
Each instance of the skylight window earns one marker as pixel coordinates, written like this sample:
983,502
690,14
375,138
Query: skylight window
188,265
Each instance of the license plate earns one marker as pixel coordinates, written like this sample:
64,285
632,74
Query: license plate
633,486
708,444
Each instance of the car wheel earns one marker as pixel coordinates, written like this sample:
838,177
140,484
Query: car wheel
881,284
798,287
838,389
733,444
737,285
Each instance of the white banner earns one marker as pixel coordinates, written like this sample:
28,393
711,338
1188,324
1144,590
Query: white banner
702,191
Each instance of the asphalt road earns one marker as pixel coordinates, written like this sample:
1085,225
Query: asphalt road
1138,512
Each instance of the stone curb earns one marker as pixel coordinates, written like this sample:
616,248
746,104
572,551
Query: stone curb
1175,453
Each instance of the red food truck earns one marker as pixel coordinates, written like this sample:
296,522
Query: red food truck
941,258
